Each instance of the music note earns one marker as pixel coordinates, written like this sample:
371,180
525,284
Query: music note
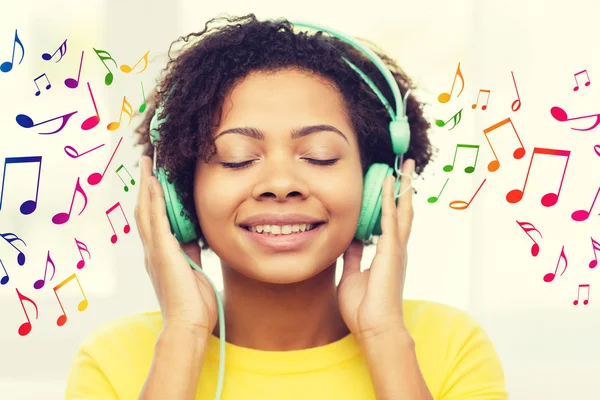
433,199
48,86
25,327
72,83
549,277
115,125
62,49
561,115
517,154
108,79
28,206
92,121
127,69
126,229
5,278
73,153
445,97
518,100
81,246
7,65
597,149
460,204
528,227
576,88
96,177
82,305
549,199
61,218
582,215
470,168
595,247
456,118
126,188
40,282
483,107
588,295
26,122
11,237
143,106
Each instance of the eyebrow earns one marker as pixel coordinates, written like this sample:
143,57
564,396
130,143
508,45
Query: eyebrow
256,133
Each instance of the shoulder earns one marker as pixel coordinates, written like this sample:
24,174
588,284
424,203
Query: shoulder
420,314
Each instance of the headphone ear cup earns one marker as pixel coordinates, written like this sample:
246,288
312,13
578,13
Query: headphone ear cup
181,227
369,222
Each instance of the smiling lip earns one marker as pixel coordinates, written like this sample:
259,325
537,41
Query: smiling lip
293,241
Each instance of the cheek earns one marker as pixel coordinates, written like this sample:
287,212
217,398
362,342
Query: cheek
215,203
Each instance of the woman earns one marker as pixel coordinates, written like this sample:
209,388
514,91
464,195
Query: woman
238,101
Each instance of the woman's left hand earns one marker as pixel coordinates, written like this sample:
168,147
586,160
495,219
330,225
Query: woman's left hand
370,302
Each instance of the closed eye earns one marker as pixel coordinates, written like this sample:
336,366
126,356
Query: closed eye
245,164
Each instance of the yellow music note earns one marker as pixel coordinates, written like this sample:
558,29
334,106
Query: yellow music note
129,111
127,69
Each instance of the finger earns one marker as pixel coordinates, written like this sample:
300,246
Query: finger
142,210
389,220
160,230
405,210
352,257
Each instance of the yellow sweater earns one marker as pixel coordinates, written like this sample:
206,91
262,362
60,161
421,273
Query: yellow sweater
455,355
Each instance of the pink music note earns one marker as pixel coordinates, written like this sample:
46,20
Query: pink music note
73,153
528,227
62,48
28,206
517,102
81,246
561,115
82,305
72,83
588,295
483,107
96,177
445,97
40,282
25,327
48,86
7,65
576,88
26,122
125,107
595,247
11,237
460,204
582,215
61,218
92,121
549,199
126,229
517,154
549,277
597,149
127,69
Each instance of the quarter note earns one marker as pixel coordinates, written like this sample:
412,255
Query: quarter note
143,106
103,55
96,177
25,327
11,237
455,118
61,218
461,205
595,247
72,83
470,168
82,247
127,69
433,199
483,107
63,50
528,227
588,294
597,149
126,188
7,65
445,97
48,86
126,229
5,278
517,154
582,215
28,206
82,305
92,121
561,115
125,106
549,277
549,199
576,88
73,153
40,282
517,103
26,122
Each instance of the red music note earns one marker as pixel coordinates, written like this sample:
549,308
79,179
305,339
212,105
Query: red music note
11,237
445,97
549,199
483,107
26,122
528,227
106,56
518,100
72,83
62,48
126,107
561,115
25,327
92,121
48,86
455,204
595,247
582,215
433,199
576,88
7,65
61,218
127,69
517,154
40,282
549,277
126,229
28,206
73,153
81,246
588,294
96,177
82,305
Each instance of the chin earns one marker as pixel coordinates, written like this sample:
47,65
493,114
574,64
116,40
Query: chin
282,272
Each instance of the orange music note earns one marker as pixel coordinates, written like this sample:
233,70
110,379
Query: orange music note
61,218
40,282
129,111
461,205
25,327
62,48
517,154
576,88
470,168
595,247
96,177
528,227
549,277
127,69
81,246
126,229
483,107
456,118
582,215
588,295
82,305
7,65
433,199
445,97
104,55
561,115
517,103
549,199
92,121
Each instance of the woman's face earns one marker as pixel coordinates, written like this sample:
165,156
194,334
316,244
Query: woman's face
280,178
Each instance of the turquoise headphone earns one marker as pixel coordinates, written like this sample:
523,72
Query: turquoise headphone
369,222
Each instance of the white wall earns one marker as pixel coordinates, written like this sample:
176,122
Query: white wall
476,259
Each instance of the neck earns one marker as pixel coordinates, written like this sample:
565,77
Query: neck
281,317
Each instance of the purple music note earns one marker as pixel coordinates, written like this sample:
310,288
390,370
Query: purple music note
40,282
26,122
72,83
62,48
61,218
28,206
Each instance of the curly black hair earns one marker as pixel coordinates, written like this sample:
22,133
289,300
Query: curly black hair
197,79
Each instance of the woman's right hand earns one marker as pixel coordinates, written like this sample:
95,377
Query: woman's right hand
186,297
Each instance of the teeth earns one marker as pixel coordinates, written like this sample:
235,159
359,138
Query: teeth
281,229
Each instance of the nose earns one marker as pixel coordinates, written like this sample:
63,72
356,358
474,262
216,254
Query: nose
280,182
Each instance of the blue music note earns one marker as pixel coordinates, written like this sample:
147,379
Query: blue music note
28,206
11,237
7,65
